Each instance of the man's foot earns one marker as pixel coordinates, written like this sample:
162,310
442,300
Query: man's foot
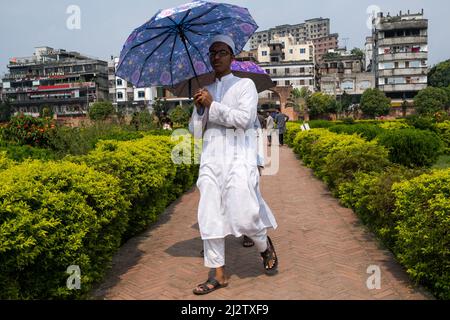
209,286
247,243
270,259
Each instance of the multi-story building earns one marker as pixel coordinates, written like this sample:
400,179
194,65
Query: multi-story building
324,44
285,49
316,30
345,73
124,96
400,55
368,53
65,81
309,30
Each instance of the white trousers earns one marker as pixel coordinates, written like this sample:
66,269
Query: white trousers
214,249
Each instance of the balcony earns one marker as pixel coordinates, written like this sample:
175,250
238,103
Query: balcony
403,72
403,40
403,87
403,56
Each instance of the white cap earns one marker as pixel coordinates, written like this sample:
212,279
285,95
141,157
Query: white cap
224,39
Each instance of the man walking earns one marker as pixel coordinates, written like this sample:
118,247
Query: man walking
269,127
230,201
280,120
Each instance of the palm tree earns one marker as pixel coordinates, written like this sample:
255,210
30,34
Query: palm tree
297,100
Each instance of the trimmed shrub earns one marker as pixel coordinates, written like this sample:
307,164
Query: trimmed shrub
346,160
52,216
443,131
370,195
392,125
423,244
366,131
21,153
412,148
147,175
292,128
5,161
421,123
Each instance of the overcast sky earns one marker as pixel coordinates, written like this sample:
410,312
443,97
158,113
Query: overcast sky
106,24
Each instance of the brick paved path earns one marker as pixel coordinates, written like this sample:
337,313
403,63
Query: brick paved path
324,251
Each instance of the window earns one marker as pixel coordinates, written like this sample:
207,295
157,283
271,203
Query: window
302,82
119,95
347,85
302,51
287,83
119,82
274,71
302,70
141,94
414,64
268,71
286,70
291,51
264,53
364,85
388,65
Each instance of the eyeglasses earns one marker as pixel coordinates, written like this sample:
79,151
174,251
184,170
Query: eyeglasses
221,53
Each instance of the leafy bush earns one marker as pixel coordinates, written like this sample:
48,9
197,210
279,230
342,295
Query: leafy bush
368,132
443,130
421,123
315,124
374,103
143,121
146,173
412,148
26,130
101,110
346,160
292,128
423,244
21,153
52,216
430,100
348,120
5,161
370,195
392,125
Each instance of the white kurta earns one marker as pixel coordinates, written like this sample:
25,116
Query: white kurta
230,199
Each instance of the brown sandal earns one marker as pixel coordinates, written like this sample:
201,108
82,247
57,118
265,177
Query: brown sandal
205,289
270,255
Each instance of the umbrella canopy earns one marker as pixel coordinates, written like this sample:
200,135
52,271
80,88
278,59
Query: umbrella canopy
241,69
173,45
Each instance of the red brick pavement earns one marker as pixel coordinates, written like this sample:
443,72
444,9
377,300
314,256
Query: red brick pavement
324,251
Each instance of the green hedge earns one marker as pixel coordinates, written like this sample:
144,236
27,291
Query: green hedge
337,158
423,244
412,147
78,211
367,131
147,175
54,215
408,209
443,131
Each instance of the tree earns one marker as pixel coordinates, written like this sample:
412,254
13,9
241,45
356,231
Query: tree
142,121
297,100
46,112
357,52
320,103
430,100
439,75
374,103
160,109
6,111
101,111
180,116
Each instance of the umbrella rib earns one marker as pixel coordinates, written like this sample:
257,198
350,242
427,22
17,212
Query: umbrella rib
203,14
138,45
170,61
148,57
195,47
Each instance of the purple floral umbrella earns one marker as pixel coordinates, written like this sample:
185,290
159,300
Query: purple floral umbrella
173,45
241,69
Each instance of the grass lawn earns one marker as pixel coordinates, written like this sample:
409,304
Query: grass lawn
443,162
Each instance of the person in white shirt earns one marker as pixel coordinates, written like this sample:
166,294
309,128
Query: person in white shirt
230,200
269,126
